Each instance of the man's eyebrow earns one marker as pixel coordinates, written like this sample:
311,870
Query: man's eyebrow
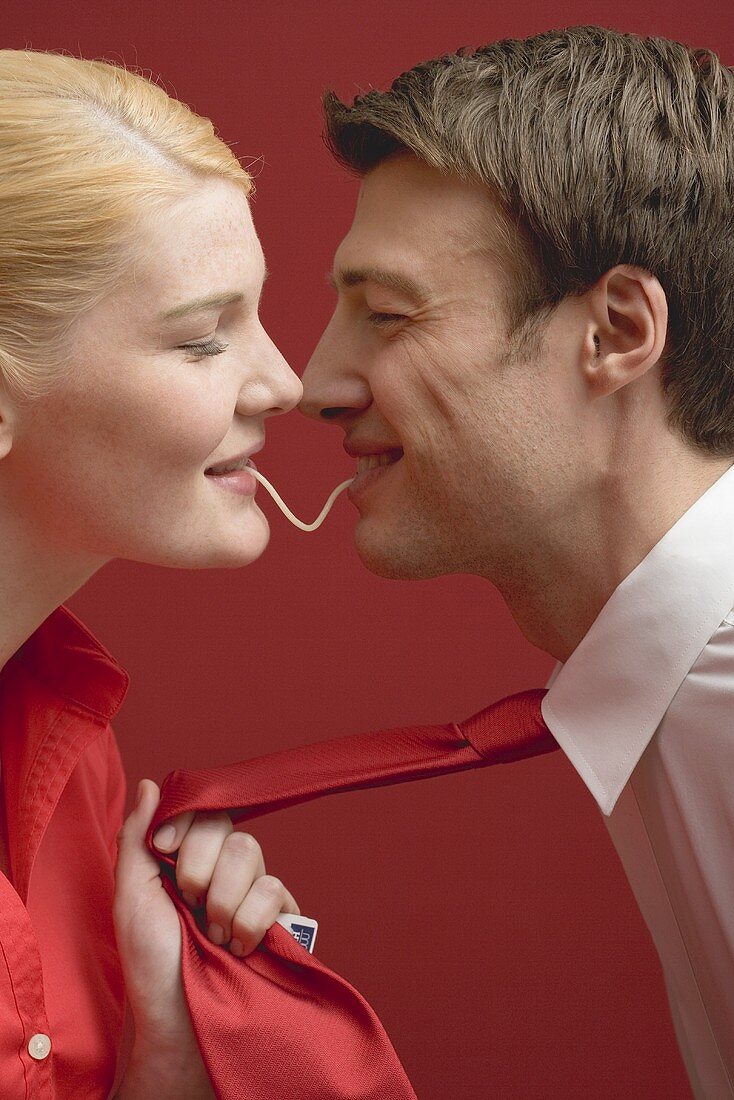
216,301
394,280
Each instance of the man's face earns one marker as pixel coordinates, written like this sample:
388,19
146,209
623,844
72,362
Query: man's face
474,444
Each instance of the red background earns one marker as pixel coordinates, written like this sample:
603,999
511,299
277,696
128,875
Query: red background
485,916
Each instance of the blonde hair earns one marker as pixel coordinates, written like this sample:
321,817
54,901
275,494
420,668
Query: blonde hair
87,148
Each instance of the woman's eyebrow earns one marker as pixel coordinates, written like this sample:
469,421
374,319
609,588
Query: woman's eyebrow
216,301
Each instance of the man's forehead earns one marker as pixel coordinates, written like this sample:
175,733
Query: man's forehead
429,217
405,180
414,265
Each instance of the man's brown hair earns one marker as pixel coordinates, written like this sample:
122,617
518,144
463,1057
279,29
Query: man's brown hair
601,148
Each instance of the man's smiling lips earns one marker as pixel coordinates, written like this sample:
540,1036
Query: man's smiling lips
373,461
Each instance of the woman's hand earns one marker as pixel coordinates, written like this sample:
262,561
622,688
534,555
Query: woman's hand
216,866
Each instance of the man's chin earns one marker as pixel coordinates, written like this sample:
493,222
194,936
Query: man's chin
393,559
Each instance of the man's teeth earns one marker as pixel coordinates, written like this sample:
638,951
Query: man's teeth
368,462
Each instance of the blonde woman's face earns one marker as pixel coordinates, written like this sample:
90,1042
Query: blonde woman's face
112,464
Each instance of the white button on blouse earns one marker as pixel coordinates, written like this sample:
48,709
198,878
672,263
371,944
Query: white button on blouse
39,1046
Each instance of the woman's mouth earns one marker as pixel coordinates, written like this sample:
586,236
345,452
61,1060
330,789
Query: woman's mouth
234,476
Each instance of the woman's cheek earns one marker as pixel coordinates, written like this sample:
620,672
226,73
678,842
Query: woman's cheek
174,433
191,426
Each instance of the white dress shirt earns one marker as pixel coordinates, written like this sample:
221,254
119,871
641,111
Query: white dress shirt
644,710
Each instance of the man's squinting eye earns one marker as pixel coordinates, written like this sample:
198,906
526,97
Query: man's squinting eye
209,347
382,320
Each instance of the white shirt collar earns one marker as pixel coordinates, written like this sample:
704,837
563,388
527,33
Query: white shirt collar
605,703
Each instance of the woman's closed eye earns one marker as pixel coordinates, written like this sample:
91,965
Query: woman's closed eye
208,347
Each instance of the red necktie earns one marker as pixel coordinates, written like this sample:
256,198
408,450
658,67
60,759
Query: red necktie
278,1023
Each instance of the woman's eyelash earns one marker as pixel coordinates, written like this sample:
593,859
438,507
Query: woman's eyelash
211,347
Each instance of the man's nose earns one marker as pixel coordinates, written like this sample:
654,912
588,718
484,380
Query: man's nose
333,388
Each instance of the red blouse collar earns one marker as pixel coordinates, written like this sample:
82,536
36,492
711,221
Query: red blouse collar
74,664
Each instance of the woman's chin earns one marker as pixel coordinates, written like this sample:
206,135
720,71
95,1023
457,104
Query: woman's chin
233,552
234,560
223,549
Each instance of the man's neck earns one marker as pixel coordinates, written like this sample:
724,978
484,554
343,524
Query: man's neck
556,593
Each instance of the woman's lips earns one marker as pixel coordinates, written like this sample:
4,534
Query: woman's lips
236,481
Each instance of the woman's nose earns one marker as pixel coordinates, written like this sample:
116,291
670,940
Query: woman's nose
288,391
282,386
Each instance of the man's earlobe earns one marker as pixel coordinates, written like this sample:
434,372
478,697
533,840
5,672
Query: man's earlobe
630,315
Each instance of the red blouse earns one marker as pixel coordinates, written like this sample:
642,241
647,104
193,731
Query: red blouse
61,990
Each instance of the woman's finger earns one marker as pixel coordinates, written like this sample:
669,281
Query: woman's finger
199,852
259,910
168,837
136,867
240,863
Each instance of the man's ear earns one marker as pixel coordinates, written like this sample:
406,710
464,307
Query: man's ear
627,327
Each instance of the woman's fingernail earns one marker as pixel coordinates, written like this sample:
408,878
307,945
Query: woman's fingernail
190,899
215,932
138,794
236,947
165,836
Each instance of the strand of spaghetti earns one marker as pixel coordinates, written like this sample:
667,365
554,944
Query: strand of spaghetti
286,510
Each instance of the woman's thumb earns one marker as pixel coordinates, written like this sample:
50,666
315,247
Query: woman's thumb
135,864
